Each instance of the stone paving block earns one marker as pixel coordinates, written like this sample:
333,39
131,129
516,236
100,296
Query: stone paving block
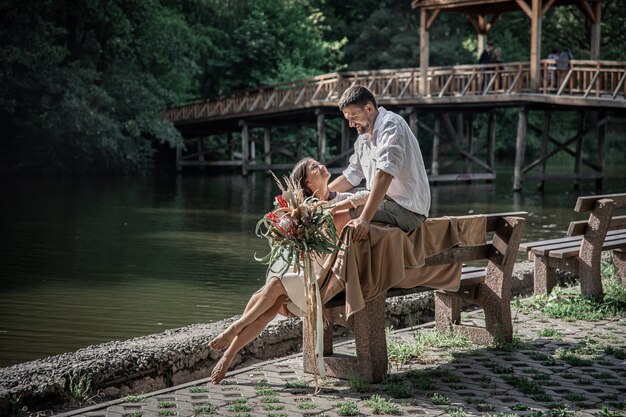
473,382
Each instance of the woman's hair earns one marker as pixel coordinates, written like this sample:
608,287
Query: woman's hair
298,175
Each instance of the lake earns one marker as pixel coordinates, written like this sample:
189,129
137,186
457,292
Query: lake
87,261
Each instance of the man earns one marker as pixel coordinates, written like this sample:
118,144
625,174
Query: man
387,155
485,56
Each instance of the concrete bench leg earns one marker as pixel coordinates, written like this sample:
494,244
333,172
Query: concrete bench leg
544,276
447,310
370,363
619,260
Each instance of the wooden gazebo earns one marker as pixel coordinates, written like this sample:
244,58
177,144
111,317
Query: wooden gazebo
484,14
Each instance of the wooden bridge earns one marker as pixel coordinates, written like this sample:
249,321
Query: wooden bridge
584,85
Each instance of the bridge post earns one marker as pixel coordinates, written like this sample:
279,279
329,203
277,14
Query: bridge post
470,142
579,148
545,137
413,121
345,137
245,147
434,167
321,136
602,123
267,147
520,147
179,155
491,141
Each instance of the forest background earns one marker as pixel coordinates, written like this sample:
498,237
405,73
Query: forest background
83,83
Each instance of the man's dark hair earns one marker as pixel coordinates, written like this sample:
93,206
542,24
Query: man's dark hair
357,94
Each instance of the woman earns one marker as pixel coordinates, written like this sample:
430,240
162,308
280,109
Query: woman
285,293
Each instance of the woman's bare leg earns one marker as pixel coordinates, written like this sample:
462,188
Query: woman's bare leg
259,303
245,336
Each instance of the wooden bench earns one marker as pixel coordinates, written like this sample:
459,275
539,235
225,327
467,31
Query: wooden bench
580,252
488,287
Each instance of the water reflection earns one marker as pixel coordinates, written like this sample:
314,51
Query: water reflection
88,261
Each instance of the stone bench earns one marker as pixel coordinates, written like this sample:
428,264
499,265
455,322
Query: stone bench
488,287
580,252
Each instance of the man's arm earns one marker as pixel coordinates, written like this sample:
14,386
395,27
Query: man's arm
340,184
380,186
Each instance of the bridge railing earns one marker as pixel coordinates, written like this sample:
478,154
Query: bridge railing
588,79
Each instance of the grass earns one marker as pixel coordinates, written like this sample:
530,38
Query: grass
568,304
439,399
347,408
273,407
297,383
240,405
197,390
167,404
524,384
206,408
79,388
551,333
398,387
381,406
574,357
401,352
307,405
358,384
135,398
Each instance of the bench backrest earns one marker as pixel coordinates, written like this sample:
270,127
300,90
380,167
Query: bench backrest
504,226
601,209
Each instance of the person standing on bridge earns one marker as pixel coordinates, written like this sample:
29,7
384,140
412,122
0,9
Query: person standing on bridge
388,156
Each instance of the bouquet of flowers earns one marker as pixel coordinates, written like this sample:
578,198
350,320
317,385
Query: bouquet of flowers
297,229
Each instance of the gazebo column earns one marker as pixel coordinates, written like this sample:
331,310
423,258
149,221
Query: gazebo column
426,21
424,35
595,32
535,45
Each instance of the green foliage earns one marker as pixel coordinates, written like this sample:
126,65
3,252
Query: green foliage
358,384
79,388
83,84
381,406
347,408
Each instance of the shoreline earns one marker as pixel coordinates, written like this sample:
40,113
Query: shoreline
177,356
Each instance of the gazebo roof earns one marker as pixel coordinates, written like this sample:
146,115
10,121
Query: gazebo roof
495,6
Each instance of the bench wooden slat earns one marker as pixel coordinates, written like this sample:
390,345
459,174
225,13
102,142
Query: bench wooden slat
573,245
584,204
536,247
579,227
528,246
571,252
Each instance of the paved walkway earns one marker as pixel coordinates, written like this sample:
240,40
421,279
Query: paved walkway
553,368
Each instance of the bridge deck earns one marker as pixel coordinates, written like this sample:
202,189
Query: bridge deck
585,84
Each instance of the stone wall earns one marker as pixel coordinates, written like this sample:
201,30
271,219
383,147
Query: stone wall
176,356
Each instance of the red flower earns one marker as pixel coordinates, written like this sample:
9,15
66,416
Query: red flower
271,216
281,201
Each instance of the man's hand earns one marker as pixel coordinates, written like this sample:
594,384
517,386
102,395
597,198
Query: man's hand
361,228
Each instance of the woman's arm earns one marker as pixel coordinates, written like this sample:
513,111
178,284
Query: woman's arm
353,201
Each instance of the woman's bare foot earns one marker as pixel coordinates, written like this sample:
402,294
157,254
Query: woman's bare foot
219,371
223,340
